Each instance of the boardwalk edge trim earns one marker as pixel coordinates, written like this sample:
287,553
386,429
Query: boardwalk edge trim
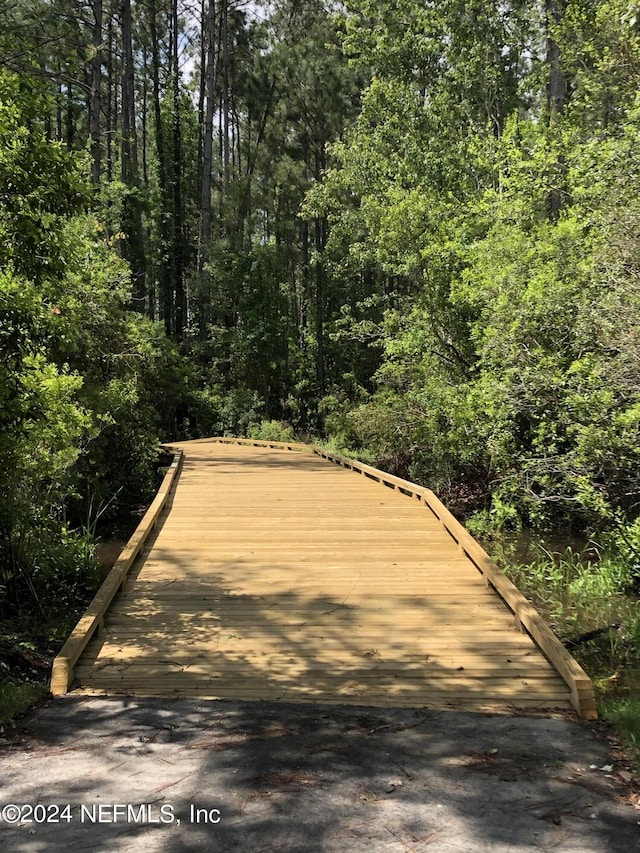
64,662
526,616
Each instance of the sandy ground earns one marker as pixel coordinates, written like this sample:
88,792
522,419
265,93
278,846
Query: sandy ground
258,777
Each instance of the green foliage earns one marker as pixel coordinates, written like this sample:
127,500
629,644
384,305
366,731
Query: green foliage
62,572
15,699
272,431
504,242
216,412
244,354
137,391
41,185
625,715
42,431
456,300
85,389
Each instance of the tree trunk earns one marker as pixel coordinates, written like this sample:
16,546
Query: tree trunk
95,104
556,96
303,298
319,245
59,109
556,86
145,139
202,84
178,242
70,122
109,93
166,291
225,91
132,214
206,187
207,141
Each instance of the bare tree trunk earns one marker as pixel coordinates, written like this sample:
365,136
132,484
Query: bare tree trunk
132,214
253,152
166,290
70,122
556,86
150,260
145,98
202,83
109,114
304,287
207,141
59,110
180,303
221,192
95,104
129,146
320,241
556,92
206,186
225,91
320,244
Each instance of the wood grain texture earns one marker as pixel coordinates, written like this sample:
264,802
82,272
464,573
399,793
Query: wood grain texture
281,575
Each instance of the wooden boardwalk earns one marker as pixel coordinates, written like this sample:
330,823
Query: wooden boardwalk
278,575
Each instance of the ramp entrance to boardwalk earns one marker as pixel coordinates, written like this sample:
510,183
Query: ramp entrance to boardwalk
285,572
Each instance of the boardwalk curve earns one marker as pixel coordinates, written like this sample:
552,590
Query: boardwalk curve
277,574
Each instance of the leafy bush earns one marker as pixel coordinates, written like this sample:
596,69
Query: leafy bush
271,431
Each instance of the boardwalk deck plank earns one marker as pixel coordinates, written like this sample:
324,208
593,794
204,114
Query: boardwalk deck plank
279,575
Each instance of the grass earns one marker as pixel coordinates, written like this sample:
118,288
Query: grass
625,716
15,699
588,590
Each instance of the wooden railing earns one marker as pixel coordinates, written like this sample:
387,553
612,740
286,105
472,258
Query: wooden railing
62,673
526,616
250,442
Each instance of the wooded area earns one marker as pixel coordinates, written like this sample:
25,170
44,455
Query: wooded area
408,229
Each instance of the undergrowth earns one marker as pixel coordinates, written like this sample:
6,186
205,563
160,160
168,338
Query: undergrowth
624,713
590,598
15,699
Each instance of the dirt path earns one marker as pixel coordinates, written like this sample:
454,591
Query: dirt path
258,777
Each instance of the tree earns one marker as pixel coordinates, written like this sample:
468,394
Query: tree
133,240
95,104
469,190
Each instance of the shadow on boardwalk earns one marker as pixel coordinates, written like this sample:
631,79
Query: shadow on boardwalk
220,640
312,778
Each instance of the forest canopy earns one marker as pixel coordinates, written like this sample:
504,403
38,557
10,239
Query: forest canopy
409,229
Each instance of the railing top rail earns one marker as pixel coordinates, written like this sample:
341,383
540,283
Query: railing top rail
65,660
579,683
253,442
